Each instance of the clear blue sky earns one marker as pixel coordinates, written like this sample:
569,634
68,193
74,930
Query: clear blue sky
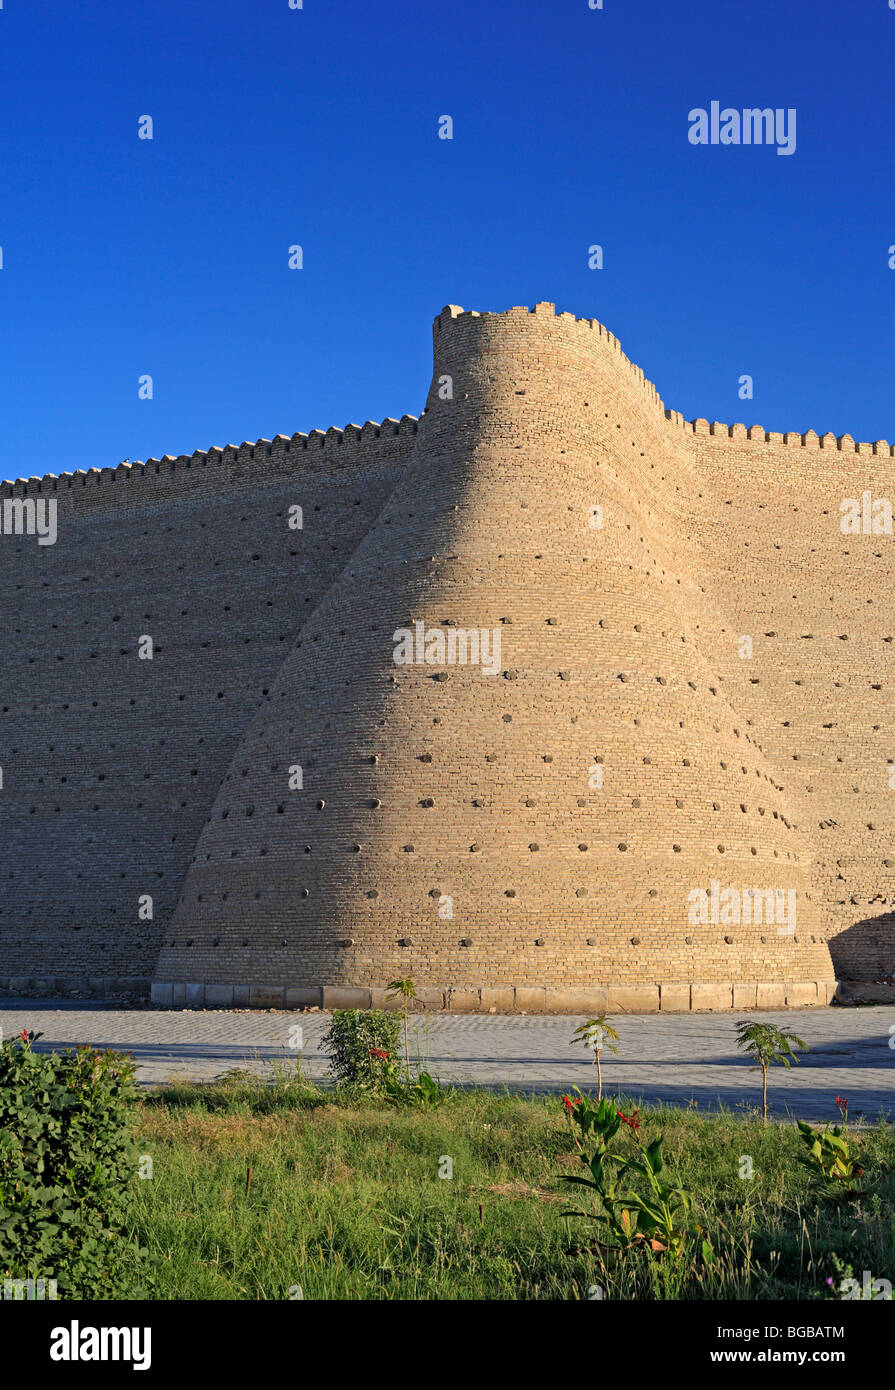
319,126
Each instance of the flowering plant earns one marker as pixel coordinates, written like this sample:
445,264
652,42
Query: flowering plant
657,1213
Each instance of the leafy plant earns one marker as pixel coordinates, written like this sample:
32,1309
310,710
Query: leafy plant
67,1167
595,1123
406,990
361,1043
423,1091
598,1035
658,1214
829,1156
766,1045
664,1212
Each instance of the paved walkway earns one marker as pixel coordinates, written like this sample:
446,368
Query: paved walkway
673,1057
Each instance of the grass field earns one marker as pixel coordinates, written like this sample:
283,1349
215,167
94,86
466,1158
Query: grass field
344,1201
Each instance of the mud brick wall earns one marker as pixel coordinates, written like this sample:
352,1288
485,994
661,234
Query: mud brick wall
111,763
531,838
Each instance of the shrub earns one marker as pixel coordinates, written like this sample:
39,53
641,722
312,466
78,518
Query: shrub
362,1043
829,1156
67,1161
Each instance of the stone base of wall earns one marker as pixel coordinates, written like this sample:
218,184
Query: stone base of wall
549,999
86,986
856,992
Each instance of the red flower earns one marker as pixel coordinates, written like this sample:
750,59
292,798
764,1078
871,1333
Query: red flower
24,1035
379,1052
842,1105
631,1120
569,1103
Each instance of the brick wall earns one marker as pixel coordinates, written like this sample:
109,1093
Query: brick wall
531,838
111,763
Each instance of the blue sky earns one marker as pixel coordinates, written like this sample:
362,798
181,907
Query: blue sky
319,127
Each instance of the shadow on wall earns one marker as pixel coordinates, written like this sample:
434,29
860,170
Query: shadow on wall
866,951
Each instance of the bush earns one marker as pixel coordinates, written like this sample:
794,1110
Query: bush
67,1161
362,1043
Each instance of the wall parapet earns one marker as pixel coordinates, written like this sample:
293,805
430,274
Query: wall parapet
344,446
340,445
844,443
586,330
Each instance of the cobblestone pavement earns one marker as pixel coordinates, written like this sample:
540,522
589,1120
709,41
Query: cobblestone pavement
674,1057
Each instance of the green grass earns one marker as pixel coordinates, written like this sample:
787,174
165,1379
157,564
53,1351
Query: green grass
345,1201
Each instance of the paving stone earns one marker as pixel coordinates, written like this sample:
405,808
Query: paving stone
266,997
531,999
711,996
303,996
344,997
633,999
674,998
218,996
771,996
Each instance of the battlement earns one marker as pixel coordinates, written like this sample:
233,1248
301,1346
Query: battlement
346,447
584,330
341,447
844,443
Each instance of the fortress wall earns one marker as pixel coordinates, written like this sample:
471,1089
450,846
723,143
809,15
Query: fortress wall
443,787
819,685
530,838
110,763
